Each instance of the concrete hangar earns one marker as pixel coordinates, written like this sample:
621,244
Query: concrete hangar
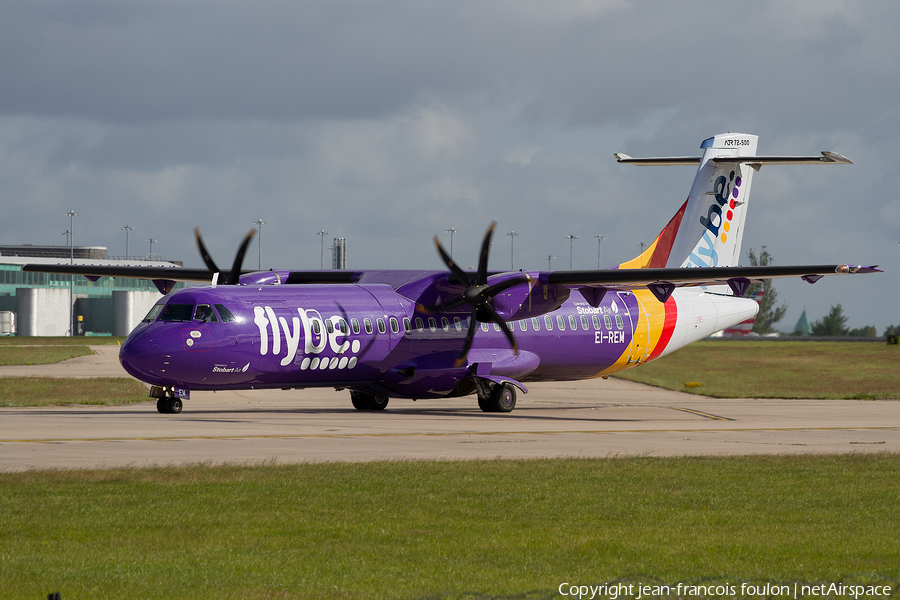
48,304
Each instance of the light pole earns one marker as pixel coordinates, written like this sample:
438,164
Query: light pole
322,233
259,223
512,250
151,241
71,214
549,258
127,228
451,231
66,233
642,244
571,239
599,239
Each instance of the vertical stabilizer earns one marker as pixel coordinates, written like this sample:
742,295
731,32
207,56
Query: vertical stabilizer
708,228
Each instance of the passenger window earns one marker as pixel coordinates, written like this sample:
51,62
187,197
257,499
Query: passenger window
420,326
560,322
354,323
342,325
584,322
596,321
225,314
432,324
548,322
315,326
485,327
367,323
445,324
395,326
619,323
497,327
536,323
329,325
407,326
607,321
457,323
381,326
523,325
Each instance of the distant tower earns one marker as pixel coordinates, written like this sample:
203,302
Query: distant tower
339,253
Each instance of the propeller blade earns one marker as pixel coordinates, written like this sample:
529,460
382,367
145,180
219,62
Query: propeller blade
204,253
235,274
483,257
467,344
503,326
454,268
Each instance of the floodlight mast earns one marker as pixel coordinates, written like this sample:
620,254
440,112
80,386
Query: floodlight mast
71,214
127,228
322,233
451,231
259,223
512,250
599,239
571,239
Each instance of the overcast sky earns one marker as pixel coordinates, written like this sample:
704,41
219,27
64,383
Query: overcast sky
390,122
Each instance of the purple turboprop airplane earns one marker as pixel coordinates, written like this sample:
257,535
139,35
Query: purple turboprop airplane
432,334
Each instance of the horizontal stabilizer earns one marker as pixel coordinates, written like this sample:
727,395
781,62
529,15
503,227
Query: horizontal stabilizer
827,157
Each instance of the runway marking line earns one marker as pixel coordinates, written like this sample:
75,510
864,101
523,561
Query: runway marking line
436,434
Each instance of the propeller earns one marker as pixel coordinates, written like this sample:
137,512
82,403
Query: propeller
232,277
478,294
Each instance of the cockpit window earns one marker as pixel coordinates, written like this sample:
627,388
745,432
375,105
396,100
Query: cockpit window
154,313
206,314
177,312
226,315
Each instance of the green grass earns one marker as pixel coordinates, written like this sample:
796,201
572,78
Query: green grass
765,369
406,530
60,341
53,391
39,355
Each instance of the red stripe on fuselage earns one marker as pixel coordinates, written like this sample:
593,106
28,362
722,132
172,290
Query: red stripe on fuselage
668,328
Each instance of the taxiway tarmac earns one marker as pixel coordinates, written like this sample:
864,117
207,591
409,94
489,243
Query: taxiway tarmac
594,418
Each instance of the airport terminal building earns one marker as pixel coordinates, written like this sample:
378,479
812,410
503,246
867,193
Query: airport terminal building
49,304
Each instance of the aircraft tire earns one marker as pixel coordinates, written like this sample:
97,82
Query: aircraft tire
174,405
503,398
161,406
363,401
485,404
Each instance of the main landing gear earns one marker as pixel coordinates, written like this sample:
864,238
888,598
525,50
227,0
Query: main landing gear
363,401
498,397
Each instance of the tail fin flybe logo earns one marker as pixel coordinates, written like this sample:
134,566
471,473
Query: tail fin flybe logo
717,221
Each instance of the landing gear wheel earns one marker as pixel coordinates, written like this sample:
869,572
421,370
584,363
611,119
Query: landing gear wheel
503,398
363,401
169,405
484,404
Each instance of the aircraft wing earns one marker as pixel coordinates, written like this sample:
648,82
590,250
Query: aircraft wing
663,281
136,272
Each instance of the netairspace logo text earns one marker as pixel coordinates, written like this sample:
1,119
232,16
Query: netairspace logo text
774,591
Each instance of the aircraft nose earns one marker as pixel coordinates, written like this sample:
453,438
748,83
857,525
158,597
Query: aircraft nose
141,356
